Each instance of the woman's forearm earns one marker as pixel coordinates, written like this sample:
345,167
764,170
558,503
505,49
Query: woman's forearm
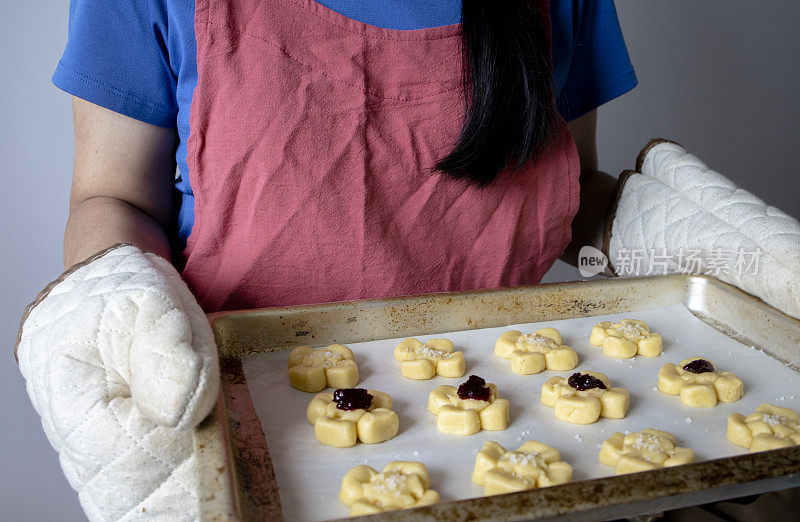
596,190
99,222
587,227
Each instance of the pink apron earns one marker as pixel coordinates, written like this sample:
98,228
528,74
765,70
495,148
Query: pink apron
311,152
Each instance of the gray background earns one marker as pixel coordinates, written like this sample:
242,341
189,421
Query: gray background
721,77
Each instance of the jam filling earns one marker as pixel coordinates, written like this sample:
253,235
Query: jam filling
584,381
475,388
349,399
699,366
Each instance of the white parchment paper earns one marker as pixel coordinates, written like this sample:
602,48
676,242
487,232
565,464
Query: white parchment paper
309,473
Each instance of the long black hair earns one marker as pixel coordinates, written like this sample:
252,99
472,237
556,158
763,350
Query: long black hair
508,89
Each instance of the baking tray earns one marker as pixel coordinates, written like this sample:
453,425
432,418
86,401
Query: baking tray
236,477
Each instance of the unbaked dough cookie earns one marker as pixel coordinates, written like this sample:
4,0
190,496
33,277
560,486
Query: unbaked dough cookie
642,451
626,338
313,370
698,384
532,465
584,397
401,485
472,407
345,416
769,427
536,352
423,361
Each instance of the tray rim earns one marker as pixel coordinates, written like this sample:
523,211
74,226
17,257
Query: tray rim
749,469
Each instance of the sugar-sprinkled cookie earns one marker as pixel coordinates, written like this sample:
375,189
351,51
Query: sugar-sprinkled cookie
533,353
532,465
625,339
313,370
642,451
769,427
424,361
400,485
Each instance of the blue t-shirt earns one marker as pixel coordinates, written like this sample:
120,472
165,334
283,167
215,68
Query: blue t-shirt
139,58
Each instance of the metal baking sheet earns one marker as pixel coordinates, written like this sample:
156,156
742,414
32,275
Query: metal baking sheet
307,470
297,455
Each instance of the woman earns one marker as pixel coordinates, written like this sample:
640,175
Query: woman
325,151
328,117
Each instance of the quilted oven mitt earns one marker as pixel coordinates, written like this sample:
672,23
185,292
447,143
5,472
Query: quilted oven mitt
120,363
676,214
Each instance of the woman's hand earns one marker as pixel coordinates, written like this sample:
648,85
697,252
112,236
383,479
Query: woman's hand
119,359
674,214
120,363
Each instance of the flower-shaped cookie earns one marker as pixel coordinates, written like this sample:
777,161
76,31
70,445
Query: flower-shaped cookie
698,384
533,353
769,427
345,416
626,338
313,370
642,451
472,407
532,465
401,485
584,397
423,361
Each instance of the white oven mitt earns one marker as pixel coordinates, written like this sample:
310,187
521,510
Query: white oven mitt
120,363
678,215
